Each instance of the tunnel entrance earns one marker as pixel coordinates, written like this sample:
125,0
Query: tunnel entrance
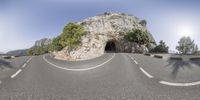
110,47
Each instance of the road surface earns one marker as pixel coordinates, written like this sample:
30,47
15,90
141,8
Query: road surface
113,76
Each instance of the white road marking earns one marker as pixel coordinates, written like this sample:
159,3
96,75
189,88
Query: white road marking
180,84
0,82
136,62
147,74
84,69
133,60
14,75
28,60
24,65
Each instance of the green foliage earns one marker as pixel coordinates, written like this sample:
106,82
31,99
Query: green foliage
161,48
138,36
29,52
71,35
37,51
185,45
55,45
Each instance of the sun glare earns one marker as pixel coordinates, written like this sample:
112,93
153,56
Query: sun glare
186,31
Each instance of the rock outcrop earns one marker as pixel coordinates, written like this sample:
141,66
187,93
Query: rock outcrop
42,42
106,33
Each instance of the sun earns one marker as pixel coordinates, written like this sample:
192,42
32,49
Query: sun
186,31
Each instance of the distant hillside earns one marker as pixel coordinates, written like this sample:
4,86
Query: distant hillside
17,52
40,47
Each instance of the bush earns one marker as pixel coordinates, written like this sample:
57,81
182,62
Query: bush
37,51
55,45
138,36
71,35
161,48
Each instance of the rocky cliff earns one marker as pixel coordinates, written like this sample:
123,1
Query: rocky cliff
42,42
106,32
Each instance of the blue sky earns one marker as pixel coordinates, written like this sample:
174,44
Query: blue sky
24,21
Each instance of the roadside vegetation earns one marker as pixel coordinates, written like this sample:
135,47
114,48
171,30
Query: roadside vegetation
37,51
70,37
160,48
138,36
187,46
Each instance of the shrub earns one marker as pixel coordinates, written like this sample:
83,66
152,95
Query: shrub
71,35
161,48
138,36
55,45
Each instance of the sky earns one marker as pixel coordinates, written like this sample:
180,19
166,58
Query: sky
22,22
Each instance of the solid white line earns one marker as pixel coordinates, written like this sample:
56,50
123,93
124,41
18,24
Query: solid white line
147,74
84,69
14,75
180,84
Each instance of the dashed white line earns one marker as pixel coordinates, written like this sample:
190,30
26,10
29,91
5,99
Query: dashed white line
84,69
180,84
24,65
0,82
28,60
136,62
147,74
14,75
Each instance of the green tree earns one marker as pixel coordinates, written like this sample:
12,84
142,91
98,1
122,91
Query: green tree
71,35
185,45
55,45
161,48
138,36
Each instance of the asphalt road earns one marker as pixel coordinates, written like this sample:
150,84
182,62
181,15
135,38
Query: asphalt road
112,76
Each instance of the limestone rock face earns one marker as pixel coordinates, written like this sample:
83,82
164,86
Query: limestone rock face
103,31
43,42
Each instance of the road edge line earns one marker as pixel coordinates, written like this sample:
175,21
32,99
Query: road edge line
146,73
179,84
84,69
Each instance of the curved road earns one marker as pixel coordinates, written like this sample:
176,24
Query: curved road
117,76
